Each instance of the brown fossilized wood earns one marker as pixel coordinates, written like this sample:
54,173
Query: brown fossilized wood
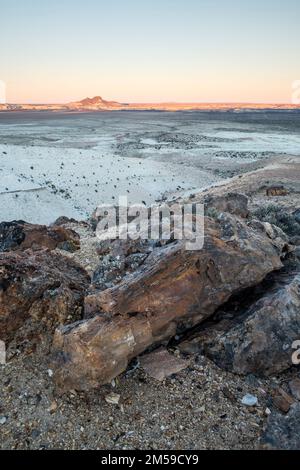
19,236
261,341
172,291
38,291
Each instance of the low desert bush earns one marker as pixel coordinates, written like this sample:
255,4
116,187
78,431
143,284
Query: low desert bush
277,215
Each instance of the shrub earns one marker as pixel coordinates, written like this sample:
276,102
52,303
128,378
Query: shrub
277,215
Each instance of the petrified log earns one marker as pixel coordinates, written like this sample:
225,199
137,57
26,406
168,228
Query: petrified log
259,342
38,291
172,291
19,235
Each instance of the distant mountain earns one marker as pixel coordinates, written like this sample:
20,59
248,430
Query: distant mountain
96,103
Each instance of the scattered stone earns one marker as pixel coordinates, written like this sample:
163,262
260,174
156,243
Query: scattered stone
283,431
229,395
53,408
35,433
3,420
161,364
249,400
113,398
282,400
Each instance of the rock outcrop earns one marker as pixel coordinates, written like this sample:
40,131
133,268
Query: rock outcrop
19,235
234,203
260,340
283,431
173,290
38,291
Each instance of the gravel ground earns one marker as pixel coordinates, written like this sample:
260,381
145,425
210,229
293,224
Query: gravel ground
198,408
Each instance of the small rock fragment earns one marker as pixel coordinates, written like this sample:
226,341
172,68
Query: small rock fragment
113,398
267,411
161,364
53,407
228,394
282,400
249,400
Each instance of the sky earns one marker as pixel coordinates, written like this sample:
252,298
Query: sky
54,51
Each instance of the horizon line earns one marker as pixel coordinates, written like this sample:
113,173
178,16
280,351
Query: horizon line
59,102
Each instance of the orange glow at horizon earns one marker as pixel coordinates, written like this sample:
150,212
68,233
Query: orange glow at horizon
160,91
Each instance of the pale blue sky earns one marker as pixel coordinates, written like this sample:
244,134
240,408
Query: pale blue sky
158,50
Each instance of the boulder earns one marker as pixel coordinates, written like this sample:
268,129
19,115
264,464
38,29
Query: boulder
19,235
234,203
38,291
63,220
260,340
173,290
282,431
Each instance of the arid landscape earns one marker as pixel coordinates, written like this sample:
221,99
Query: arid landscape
142,344
150,232
143,155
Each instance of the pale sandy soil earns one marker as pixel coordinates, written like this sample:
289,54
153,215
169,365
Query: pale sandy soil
39,184
54,164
